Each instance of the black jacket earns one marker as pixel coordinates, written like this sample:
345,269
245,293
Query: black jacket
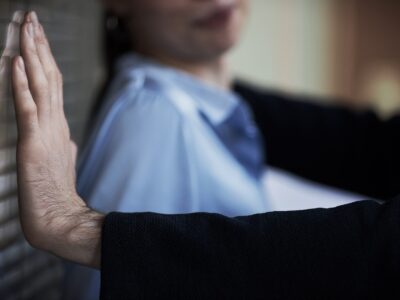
344,148
352,251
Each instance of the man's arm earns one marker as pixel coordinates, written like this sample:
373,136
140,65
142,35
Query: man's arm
53,217
349,251
332,145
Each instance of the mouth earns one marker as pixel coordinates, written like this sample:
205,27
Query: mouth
218,18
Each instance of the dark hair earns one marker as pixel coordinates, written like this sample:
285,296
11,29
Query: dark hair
116,42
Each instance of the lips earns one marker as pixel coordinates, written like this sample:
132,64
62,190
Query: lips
218,18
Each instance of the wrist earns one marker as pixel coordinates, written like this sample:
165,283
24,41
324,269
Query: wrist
84,238
75,235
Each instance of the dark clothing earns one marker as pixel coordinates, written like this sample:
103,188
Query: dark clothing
351,251
351,150
348,251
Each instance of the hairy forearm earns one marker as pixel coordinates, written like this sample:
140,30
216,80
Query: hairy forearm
73,233
84,239
53,216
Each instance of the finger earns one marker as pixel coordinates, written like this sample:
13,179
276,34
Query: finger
49,64
43,46
18,17
11,48
12,40
36,76
25,107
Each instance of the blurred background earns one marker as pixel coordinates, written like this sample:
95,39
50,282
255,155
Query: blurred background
338,49
335,50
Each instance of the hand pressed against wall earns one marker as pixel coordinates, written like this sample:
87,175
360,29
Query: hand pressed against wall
53,216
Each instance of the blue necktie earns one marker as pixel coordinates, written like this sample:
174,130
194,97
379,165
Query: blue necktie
242,138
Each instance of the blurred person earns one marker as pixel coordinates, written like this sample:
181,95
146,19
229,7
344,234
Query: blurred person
170,132
175,102
351,251
346,251
173,129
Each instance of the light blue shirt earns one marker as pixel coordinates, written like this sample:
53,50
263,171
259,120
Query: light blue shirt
166,142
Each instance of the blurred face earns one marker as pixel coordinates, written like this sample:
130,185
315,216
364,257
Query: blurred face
189,30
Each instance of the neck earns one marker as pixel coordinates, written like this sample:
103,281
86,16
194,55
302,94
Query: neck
215,73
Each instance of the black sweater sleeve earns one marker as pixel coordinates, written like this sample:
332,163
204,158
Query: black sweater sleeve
333,145
351,251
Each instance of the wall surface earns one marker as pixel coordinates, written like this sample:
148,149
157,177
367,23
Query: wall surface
286,45
342,49
367,52
72,28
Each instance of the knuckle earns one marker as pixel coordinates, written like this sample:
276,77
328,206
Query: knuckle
22,86
52,74
28,111
31,51
41,39
41,86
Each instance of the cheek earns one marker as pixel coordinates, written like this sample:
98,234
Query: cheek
168,29
205,44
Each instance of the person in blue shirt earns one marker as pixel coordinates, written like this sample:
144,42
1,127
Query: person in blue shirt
170,132
309,250
349,251
163,132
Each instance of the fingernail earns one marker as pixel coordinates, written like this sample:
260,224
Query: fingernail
34,17
31,30
18,16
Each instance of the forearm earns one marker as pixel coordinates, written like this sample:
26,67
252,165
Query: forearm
348,251
83,240
53,217
72,233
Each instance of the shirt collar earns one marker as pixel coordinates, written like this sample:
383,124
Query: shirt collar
214,103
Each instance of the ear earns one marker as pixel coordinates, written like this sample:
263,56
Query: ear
117,7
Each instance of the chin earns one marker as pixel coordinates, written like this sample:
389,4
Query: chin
210,53
222,45
210,45
225,40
